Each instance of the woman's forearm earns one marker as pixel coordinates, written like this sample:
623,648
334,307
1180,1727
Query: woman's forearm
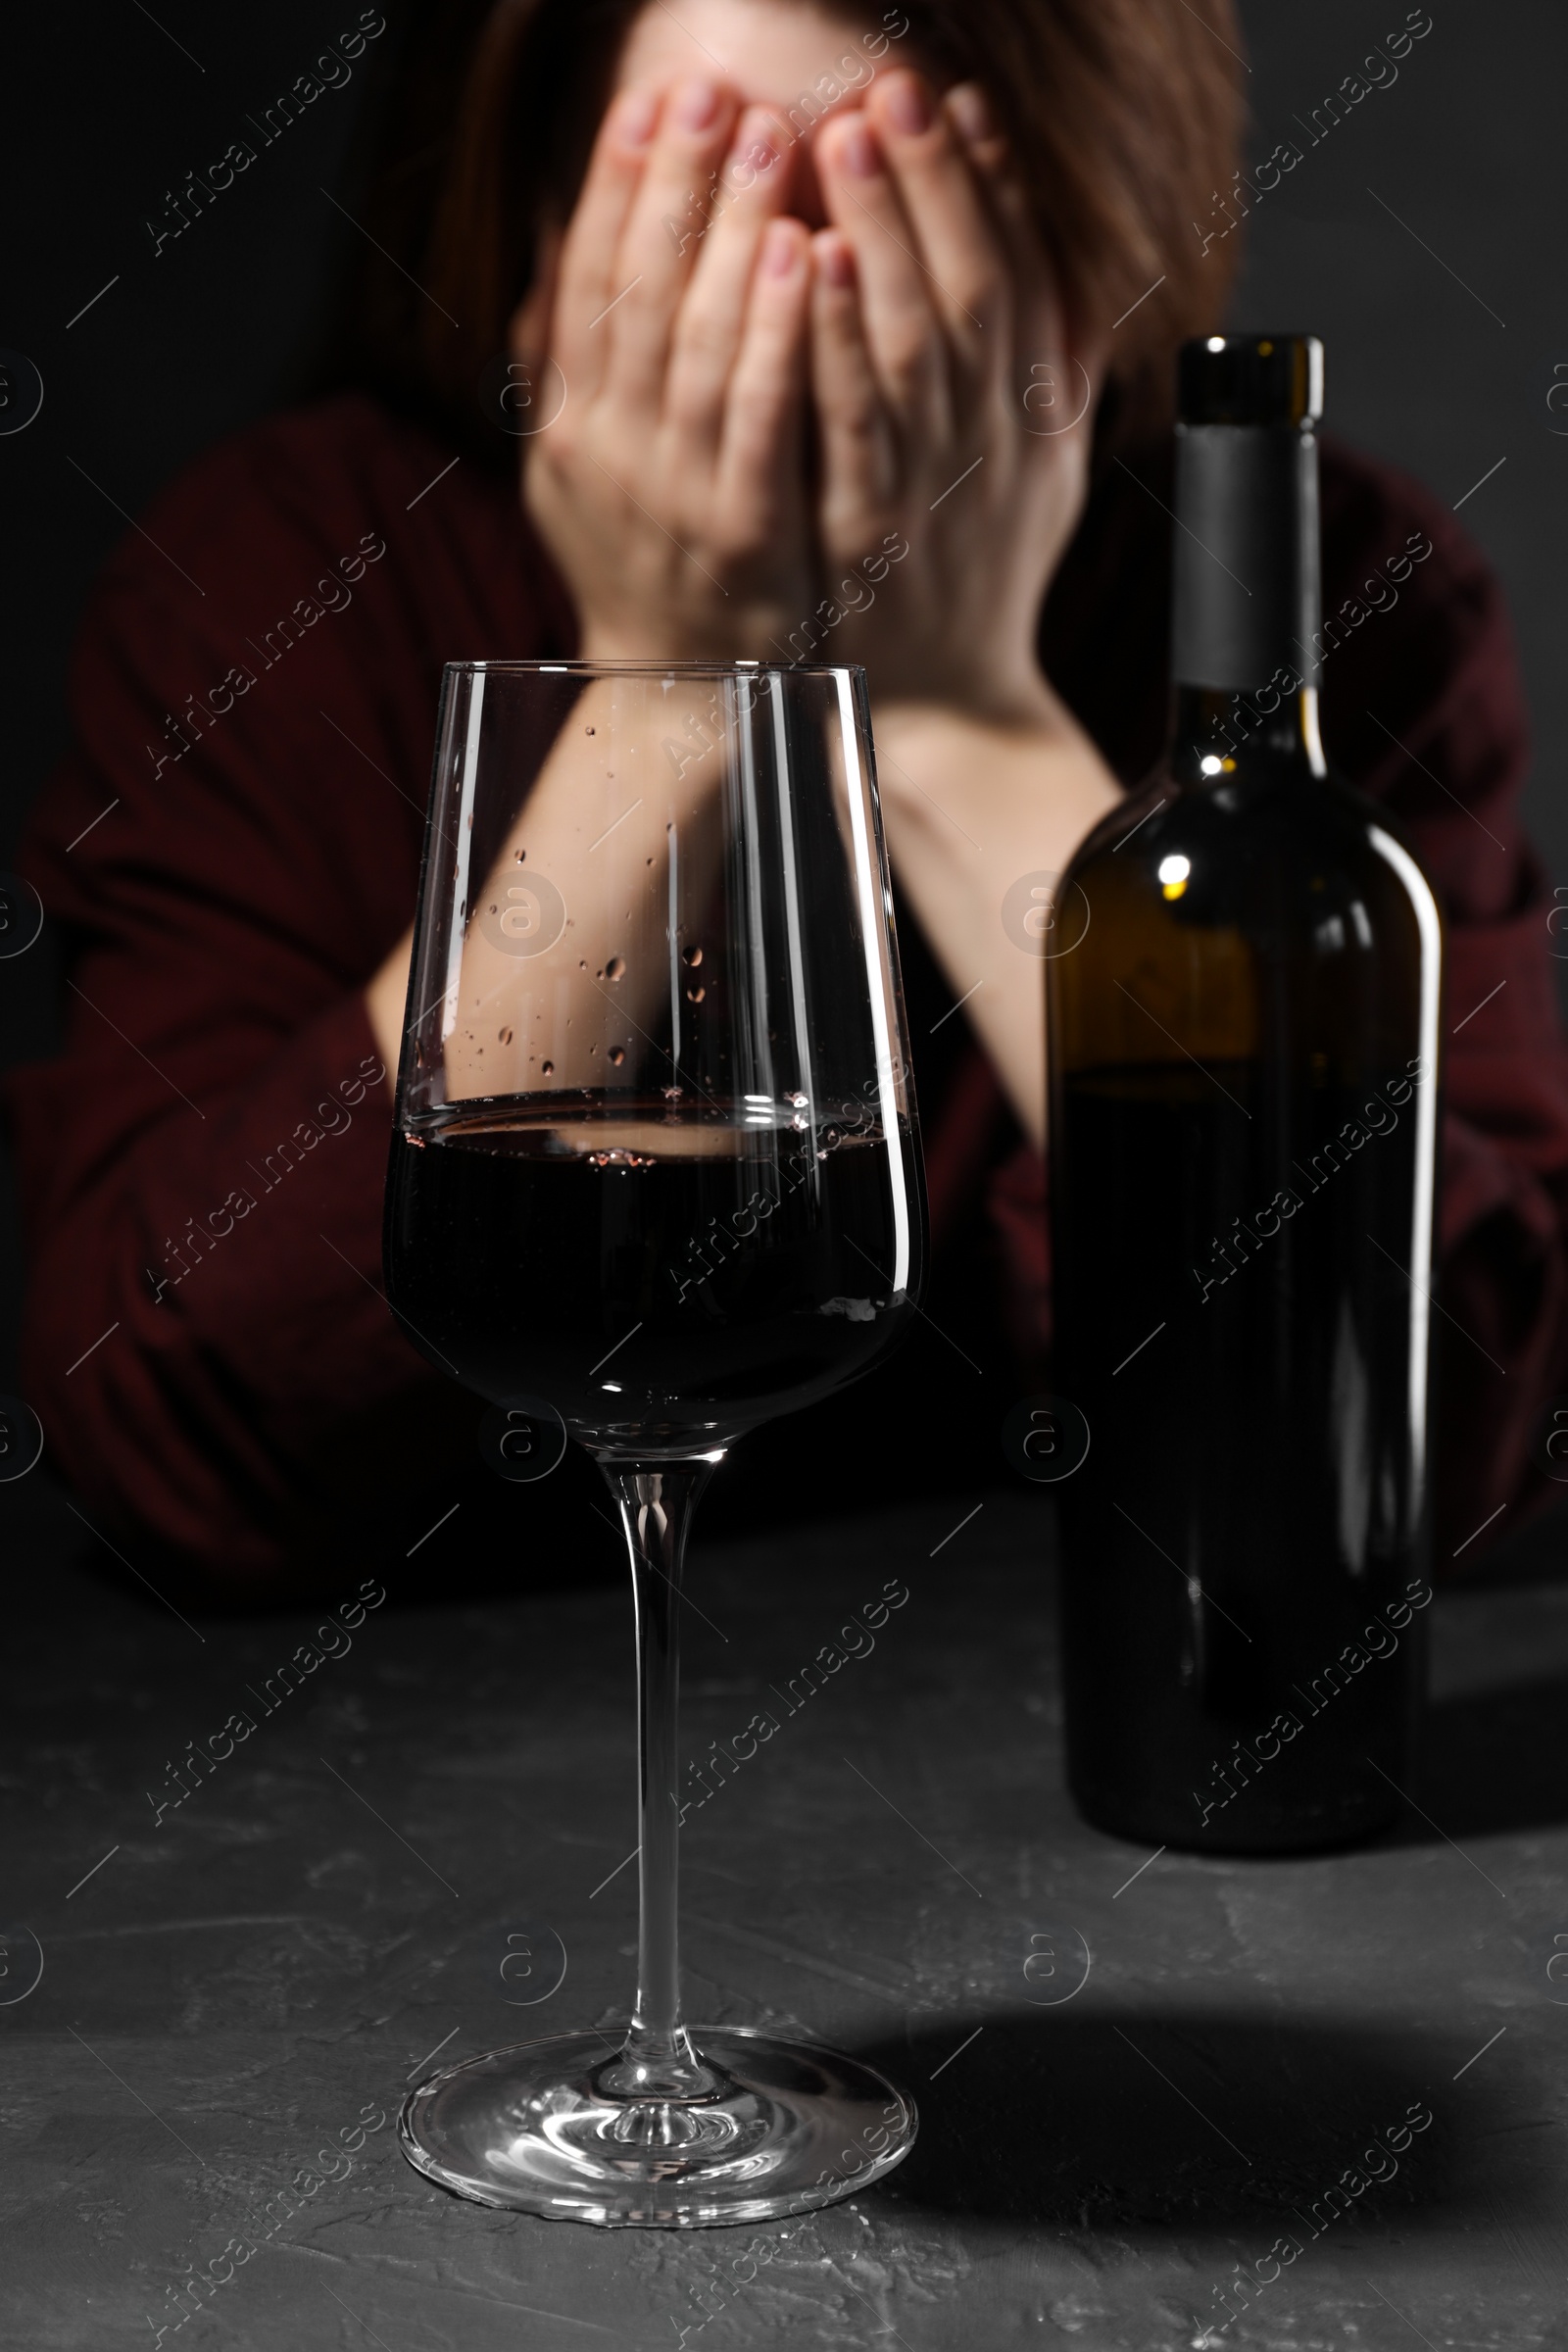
605,850
973,807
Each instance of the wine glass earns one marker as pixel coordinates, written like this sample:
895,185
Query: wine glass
655,1179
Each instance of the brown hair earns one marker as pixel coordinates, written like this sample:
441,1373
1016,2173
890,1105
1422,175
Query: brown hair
1125,117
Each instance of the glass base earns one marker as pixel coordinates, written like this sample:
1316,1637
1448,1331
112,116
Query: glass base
787,2127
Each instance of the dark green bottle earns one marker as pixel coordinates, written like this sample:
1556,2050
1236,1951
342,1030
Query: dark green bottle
1244,1025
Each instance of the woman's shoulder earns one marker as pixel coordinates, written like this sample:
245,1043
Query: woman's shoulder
1419,676
298,585
300,482
347,437
1422,702
1378,521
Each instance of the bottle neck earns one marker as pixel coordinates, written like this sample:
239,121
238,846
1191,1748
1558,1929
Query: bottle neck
1216,735
1247,600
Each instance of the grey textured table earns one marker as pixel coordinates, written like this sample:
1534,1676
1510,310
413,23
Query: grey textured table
252,1980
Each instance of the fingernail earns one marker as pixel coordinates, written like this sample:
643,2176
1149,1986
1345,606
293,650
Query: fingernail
834,261
636,112
696,104
905,104
756,143
970,109
857,149
778,249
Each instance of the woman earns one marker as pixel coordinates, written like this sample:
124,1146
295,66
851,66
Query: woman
757,294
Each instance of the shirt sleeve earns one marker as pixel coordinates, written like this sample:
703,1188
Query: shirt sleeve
229,853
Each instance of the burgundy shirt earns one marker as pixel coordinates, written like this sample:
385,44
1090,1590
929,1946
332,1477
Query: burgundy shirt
231,848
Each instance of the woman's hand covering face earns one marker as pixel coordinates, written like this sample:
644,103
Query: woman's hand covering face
670,488
698,327
951,412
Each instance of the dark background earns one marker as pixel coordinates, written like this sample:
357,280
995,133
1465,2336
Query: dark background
105,110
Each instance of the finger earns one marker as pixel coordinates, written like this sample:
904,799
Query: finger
594,234
1053,375
528,328
955,234
903,332
760,455
969,110
711,320
858,455
663,235
1035,279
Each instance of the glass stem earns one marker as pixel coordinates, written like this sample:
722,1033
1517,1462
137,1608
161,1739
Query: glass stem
655,1511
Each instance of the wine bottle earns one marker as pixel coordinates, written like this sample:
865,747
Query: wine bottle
1243,1019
